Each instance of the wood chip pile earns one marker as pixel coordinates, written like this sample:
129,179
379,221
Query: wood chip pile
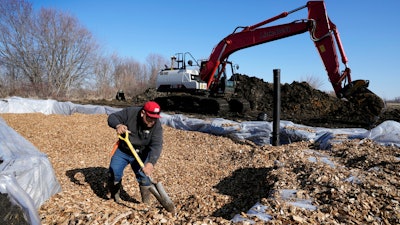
211,178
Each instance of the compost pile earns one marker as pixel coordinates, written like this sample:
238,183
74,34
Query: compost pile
213,178
302,104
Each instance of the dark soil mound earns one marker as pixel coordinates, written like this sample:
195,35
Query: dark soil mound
303,104
300,103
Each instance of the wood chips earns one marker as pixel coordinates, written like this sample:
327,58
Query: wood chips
211,178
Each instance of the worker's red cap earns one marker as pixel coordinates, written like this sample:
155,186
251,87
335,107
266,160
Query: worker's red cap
152,109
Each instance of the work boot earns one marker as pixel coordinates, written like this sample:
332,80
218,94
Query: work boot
115,189
145,193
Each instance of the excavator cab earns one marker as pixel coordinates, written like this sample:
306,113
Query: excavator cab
223,83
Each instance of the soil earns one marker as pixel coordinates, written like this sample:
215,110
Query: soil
300,103
10,212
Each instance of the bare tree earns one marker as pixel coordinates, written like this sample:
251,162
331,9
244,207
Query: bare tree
17,44
67,49
49,53
51,48
10,80
125,74
128,75
155,63
104,80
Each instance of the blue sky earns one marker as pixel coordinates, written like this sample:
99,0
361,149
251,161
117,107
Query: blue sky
369,32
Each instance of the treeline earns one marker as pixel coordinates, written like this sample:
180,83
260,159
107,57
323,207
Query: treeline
49,54
395,100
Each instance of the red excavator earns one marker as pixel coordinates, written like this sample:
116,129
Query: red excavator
210,75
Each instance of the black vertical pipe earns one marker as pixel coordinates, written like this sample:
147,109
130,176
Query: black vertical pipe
277,107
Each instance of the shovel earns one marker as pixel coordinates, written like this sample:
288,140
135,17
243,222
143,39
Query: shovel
156,189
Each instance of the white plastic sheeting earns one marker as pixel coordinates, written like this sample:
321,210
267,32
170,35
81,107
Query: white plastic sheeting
258,210
259,132
26,174
18,196
26,105
34,173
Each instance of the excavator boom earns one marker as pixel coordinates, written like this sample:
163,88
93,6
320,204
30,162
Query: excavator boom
323,32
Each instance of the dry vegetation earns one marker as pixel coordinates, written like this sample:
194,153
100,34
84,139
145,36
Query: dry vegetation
212,178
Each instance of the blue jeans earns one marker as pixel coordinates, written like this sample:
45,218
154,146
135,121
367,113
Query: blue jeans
118,163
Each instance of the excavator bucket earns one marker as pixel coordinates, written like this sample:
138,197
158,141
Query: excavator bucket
370,104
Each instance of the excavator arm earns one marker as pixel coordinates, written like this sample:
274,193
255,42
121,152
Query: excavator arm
209,77
245,39
323,33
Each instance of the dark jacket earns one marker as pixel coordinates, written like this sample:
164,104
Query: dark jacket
147,141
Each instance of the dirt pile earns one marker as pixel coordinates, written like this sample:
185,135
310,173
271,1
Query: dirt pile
300,103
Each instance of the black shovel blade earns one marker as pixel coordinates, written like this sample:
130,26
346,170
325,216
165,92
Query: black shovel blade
159,192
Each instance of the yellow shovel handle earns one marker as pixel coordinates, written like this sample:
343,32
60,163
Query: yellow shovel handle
128,142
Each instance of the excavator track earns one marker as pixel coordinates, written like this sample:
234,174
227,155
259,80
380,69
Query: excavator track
202,104
193,104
